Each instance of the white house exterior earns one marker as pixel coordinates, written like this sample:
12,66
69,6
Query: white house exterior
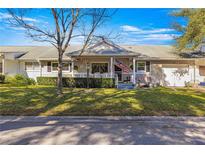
156,64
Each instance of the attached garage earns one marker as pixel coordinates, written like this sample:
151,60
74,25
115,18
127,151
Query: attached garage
175,72
178,76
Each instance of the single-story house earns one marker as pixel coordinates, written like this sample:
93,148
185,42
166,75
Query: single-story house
159,64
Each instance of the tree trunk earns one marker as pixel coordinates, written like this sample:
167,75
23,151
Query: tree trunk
59,81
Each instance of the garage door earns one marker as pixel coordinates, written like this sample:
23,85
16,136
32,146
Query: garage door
177,76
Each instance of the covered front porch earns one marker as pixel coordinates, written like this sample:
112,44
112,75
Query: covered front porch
123,69
108,60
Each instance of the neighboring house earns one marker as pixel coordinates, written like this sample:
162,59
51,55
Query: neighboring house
142,63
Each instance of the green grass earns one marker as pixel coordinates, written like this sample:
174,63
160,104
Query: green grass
42,100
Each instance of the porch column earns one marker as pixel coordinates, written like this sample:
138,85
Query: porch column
134,74
194,72
111,66
40,68
72,68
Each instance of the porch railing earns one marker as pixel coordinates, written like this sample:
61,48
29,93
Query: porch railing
84,75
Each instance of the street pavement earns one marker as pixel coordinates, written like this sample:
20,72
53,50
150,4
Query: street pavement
102,130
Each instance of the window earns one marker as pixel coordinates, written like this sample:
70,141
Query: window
35,66
202,70
65,67
140,66
99,67
54,66
28,65
31,66
143,66
49,66
76,68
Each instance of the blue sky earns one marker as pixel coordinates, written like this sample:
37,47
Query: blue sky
132,26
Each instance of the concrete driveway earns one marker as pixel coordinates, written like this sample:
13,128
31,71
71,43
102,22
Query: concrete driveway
102,130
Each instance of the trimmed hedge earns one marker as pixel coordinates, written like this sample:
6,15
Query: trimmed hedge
2,78
78,82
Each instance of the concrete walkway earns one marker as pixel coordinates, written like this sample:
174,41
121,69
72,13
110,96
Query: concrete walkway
102,130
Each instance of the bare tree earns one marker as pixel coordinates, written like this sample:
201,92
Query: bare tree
68,24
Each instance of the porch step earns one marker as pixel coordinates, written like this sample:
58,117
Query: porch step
125,86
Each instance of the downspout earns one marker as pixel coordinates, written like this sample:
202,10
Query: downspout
194,72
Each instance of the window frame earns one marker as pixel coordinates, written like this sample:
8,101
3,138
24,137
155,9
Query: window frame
32,66
69,67
144,62
145,67
91,70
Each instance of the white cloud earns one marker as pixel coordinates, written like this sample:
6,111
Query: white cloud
160,30
128,28
8,16
155,39
159,37
136,30
132,34
16,28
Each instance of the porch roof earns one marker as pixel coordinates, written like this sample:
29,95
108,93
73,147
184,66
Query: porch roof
139,51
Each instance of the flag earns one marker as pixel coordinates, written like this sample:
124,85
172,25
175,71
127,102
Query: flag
124,67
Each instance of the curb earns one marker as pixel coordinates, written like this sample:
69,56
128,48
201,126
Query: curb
98,118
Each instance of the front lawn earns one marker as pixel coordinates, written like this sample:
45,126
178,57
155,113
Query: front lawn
42,100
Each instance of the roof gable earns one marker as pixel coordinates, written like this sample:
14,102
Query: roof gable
104,48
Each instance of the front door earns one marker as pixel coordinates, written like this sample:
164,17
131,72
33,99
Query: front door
118,71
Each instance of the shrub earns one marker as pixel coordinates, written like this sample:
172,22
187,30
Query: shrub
78,82
47,80
2,78
31,81
19,80
191,84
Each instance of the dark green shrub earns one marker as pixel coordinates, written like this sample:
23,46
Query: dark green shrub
69,82
47,80
2,78
78,82
31,81
19,80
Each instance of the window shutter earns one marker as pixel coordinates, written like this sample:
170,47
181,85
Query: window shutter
1,67
202,70
49,66
147,66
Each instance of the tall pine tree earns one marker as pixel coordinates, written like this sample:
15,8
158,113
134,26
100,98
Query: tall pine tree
193,33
